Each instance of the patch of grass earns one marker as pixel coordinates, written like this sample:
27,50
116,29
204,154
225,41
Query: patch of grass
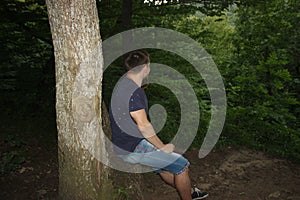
121,194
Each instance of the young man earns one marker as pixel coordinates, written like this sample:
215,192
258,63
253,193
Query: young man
133,135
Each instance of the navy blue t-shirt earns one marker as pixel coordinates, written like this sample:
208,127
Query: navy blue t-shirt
127,97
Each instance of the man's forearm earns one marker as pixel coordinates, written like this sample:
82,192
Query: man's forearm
149,133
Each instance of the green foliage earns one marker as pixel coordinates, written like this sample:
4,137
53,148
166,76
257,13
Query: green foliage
262,90
14,154
27,74
121,194
10,161
255,45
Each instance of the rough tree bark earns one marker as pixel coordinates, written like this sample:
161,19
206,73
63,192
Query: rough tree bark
78,67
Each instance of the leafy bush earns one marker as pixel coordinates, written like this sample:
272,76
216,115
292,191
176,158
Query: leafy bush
14,154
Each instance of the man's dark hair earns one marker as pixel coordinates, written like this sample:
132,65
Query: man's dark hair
136,58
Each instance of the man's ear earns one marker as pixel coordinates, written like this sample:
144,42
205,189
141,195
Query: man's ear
145,68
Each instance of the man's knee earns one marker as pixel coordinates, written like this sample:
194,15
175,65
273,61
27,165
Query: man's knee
183,172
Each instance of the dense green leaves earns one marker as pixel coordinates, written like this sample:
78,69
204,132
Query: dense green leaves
27,74
255,44
265,90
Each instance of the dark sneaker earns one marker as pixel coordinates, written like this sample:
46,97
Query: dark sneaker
198,194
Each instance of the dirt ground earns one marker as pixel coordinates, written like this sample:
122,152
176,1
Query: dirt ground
237,174
230,173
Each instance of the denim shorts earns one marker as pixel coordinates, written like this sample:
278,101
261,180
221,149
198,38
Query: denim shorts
146,154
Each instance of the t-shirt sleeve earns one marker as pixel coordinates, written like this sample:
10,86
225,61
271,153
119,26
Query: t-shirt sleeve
137,101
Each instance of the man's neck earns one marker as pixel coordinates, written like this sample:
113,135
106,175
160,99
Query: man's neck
137,78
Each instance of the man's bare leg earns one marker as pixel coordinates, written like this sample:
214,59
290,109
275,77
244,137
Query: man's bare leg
168,177
183,185
181,182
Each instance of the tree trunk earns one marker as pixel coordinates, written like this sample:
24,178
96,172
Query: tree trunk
78,67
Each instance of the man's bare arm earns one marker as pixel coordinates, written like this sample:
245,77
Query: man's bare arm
146,128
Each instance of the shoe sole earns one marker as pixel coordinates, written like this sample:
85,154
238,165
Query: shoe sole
201,197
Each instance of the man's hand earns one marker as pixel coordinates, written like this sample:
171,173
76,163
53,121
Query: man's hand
168,148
